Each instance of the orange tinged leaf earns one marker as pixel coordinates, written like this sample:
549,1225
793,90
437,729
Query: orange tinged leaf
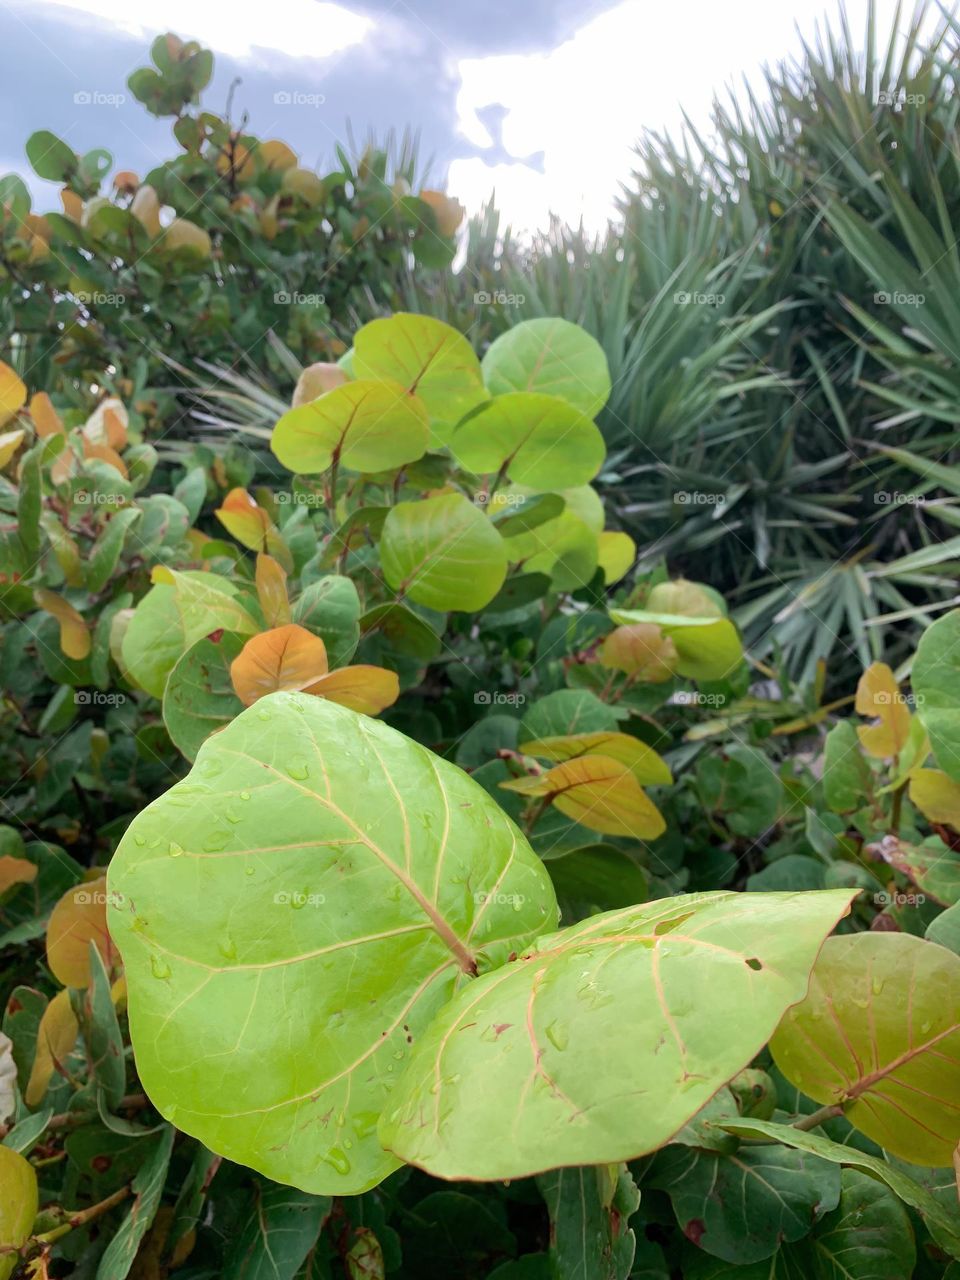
104,453
879,696
46,420
72,204
241,516
13,394
56,1036
601,793
447,211
277,155
361,688
10,442
74,636
272,591
288,657
79,918
639,649
15,871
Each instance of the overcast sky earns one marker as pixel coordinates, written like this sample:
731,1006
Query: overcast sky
540,99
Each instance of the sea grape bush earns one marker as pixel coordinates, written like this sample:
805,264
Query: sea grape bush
205,256
420,887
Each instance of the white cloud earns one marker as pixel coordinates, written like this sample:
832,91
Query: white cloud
297,28
584,103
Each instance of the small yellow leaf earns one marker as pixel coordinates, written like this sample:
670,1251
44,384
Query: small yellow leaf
56,1036
879,696
46,420
72,204
315,381
647,767
145,207
13,394
598,792
252,527
936,796
288,657
272,591
79,918
185,235
19,1203
104,453
74,636
276,154
361,688
10,442
616,553
15,871
639,649
447,211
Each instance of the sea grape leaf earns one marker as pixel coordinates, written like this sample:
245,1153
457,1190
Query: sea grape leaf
935,678
277,1235
199,697
932,865
847,780
879,697
645,764
248,522
314,862
590,1209
18,1205
708,648
945,929
601,793
616,552
443,552
289,657
365,425
428,358
879,1032
553,356
330,608
936,795
596,878
507,1080
565,712
740,1206
536,440
79,919
121,1252
908,1190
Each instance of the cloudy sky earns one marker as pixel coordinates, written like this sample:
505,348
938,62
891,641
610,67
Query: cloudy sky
538,99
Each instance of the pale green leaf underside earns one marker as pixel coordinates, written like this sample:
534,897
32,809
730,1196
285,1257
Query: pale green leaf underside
292,915
708,648
553,356
602,1041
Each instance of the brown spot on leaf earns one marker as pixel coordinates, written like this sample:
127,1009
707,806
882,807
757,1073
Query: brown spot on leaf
695,1230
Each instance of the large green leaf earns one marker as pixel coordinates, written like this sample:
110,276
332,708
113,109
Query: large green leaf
365,425
428,358
909,1191
553,356
278,1234
936,686
292,915
739,1207
173,615
508,1079
443,552
536,440
879,1032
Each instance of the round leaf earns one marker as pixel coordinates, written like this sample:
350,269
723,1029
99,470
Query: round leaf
935,677
79,918
879,1032
19,1203
443,553
292,916
289,657
366,425
509,1080
537,440
553,356
199,696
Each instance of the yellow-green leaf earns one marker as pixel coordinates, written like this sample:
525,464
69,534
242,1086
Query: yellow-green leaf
74,636
616,552
879,696
937,796
19,1202
13,394
56,1036
599,792
647,767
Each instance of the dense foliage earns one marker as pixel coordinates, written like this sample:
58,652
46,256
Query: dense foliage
405,871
